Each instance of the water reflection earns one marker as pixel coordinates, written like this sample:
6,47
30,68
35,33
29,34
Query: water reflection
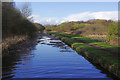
16,57
50,58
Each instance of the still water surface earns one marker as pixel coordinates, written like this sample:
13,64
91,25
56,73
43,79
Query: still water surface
52,59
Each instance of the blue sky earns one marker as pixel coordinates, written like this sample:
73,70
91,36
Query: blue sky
63,9
57,12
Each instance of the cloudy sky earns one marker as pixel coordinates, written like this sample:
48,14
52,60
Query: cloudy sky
58,12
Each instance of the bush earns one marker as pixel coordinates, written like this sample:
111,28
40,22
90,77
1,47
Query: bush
78,26
112,31
39,27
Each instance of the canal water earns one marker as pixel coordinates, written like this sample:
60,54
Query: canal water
51,58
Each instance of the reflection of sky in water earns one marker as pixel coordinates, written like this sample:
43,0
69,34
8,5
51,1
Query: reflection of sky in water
46,40
54,59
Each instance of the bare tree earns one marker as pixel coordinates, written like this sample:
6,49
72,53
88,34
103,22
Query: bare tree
26,11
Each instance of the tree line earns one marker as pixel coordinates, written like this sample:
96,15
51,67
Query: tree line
16,21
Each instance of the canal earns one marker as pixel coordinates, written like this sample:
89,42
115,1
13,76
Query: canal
51,58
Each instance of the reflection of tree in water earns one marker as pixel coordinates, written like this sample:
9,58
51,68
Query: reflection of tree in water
8,63
16,57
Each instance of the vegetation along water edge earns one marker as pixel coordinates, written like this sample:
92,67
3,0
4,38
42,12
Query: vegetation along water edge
106,59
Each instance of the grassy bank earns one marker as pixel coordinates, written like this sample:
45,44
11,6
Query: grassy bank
13,43
103,58
96,42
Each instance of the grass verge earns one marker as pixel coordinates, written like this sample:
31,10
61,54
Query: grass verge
89,40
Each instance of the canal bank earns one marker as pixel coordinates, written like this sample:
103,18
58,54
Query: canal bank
107,61
51,58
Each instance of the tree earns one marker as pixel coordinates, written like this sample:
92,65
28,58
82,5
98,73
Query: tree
26,11
15,24
113,31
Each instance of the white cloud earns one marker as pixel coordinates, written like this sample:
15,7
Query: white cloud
107,15
46,20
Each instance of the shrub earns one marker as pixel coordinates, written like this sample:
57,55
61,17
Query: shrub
112,32
39,27
77,26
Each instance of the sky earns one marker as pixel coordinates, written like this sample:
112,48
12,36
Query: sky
58,12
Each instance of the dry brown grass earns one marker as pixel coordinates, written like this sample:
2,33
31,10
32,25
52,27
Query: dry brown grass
98,37
6,43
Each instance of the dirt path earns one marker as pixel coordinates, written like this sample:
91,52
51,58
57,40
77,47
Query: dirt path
95,46
98,47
